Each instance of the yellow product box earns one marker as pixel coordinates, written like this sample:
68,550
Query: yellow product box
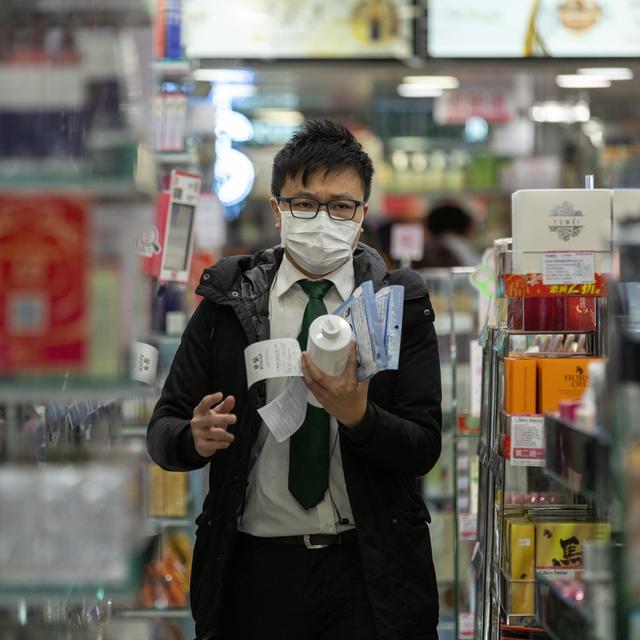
520,565
167,493
520,385
559,545
521,547
561,379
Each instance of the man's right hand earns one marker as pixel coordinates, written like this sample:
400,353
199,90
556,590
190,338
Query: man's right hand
209,424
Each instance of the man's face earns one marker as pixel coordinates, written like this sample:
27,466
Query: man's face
324,187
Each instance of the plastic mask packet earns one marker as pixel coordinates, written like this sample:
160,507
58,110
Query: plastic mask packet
359,310
390,306
376,322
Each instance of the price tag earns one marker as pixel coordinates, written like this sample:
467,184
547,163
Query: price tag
527,441
475,364
467,526
568,267
465,625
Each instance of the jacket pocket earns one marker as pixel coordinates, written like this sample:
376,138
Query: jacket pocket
417,311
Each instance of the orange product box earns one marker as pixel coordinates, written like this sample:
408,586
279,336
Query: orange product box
561,379
520,385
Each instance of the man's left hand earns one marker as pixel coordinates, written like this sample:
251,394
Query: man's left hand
342,396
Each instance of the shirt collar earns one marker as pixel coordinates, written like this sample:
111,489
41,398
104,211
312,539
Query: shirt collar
288,274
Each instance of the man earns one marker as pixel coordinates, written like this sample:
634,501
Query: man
451,229
325,535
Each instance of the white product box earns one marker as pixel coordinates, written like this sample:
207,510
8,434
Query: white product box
560,220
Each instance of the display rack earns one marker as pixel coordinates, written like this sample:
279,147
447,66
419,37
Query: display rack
568,466
450,490
74,544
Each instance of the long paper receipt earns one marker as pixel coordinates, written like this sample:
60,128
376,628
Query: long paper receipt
278,358
285,415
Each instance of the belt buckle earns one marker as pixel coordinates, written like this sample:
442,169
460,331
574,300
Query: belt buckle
307,543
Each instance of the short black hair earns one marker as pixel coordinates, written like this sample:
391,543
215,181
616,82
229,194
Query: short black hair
448,216
321,145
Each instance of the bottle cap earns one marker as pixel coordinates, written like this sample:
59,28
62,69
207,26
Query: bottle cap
330,330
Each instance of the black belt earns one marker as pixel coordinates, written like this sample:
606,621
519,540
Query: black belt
313,541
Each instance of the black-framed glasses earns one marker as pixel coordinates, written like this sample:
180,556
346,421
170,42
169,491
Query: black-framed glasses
308,208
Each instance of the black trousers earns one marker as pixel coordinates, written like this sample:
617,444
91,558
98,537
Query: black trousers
281,592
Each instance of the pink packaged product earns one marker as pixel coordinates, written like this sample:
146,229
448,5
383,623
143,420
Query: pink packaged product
568,409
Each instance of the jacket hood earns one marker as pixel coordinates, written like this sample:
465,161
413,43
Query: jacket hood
251,276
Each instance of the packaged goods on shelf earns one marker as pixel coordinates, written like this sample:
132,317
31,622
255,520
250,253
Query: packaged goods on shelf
71,295
169,122
561,379
520,565
559,545
166,579
167,493
560,220
570,313
520,385
46,287
68,524
168,29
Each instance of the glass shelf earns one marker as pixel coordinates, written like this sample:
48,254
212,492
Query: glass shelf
166,523
577,459
171,613
562,617
95,188
186,157
172,68
22,390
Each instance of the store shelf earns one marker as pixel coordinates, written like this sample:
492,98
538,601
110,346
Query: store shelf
439,499
503,343
172,613
166,523
81,185
167,68
59,389
82,13
562,617
133,431
577,459
186,157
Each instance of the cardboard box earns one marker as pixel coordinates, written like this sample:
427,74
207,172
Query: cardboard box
167,493
561,379
559,545
520,385
560,220
519,565
521,544
44,269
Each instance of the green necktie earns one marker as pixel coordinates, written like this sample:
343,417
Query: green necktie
309,454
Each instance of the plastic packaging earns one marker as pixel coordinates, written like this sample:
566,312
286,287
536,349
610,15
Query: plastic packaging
376,321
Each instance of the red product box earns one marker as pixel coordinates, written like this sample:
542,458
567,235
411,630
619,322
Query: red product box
44,263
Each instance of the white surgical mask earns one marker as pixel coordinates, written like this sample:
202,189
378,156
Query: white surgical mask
319,245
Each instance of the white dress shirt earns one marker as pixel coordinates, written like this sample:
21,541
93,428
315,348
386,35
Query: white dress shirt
270,509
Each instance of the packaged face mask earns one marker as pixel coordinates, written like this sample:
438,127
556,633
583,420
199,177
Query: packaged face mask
319,245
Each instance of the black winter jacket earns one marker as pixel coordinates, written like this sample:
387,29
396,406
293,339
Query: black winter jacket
398,440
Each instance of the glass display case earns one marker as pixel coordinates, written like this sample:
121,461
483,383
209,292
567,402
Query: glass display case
451,489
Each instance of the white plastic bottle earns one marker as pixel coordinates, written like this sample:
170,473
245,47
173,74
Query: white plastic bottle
328,346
